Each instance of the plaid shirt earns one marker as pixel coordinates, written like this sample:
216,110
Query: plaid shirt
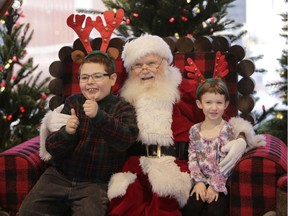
98,148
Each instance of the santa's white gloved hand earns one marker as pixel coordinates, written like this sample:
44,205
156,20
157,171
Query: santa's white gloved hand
235,149
56,119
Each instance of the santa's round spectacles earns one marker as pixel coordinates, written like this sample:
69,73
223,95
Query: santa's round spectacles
152,65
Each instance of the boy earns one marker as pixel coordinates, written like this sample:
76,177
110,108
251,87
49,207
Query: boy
88,149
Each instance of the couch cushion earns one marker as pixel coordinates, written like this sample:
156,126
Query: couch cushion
20,168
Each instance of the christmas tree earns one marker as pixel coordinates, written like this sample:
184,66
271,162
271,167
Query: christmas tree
22,95
277,124
174,17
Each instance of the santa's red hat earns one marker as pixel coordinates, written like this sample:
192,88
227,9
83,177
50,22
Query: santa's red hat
143,45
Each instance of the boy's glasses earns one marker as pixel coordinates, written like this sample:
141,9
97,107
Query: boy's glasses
95,77
152,65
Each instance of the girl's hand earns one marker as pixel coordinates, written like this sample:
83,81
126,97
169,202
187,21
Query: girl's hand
200,190
211,195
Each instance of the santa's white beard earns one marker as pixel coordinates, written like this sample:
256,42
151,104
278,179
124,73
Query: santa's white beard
153,101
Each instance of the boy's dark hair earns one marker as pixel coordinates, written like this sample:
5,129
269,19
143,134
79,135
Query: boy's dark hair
102,58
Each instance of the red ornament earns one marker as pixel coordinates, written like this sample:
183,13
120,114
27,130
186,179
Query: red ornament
9,117
136,15
22,109
128,21
13,78
6,13
190,35
172,19
184,18
1,67
212,19
14,59
43,96
3,84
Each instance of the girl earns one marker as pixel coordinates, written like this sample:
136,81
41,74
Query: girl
209,190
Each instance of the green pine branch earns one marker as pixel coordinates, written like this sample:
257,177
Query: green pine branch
22,93
168,17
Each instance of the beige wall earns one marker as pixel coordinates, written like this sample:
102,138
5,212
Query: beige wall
48,20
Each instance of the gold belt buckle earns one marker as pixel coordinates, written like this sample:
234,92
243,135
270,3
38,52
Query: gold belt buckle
158,151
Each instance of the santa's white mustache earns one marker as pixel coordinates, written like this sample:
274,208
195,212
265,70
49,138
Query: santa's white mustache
144,76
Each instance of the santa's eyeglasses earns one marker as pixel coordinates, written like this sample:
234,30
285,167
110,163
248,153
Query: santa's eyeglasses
152,65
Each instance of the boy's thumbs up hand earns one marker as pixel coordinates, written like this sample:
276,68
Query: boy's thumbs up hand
90,107
72,123
73,113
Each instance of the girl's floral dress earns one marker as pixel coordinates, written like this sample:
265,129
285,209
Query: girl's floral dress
205,155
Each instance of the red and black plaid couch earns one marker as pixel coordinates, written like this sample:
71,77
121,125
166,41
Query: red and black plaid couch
254,179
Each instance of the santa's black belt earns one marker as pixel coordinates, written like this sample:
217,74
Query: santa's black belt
178,150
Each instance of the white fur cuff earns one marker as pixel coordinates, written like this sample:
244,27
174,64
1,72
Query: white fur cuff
241,125
166,178
119,183
44,132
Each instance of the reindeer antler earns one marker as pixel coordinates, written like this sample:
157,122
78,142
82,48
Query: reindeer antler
111,24
220,67
105,31
83,33
194,73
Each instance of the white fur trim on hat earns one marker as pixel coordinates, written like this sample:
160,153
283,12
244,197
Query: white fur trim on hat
143,45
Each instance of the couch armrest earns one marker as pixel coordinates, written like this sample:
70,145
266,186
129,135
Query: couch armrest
281,198
20,168
254,178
